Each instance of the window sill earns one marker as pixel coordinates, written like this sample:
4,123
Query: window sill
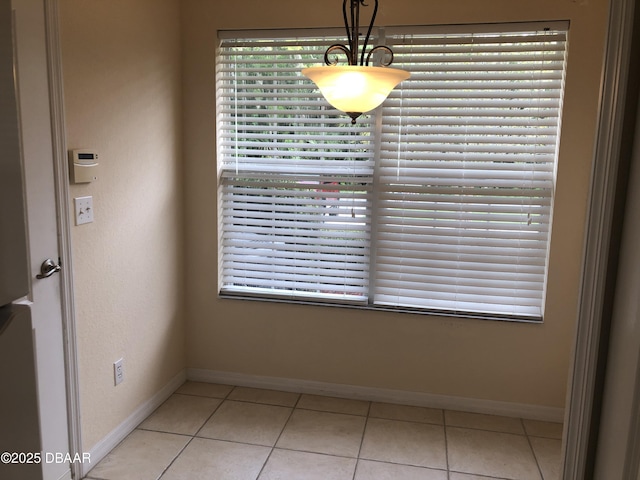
404,310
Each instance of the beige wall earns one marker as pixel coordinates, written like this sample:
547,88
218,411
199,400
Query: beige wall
124,73
499,361
122,85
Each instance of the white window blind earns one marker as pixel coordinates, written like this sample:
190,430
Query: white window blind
440,201
295,177
466,171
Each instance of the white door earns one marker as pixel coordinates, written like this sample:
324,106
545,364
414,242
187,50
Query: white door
44,297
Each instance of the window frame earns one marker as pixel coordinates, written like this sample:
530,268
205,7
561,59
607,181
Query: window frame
377,126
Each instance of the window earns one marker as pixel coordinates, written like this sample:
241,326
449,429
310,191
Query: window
439,201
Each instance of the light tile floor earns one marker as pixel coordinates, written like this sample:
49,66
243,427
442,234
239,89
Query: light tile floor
219,432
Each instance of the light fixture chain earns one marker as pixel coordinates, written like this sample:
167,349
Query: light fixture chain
353,36
366,39
355,30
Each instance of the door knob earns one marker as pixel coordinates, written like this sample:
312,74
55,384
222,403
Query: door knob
48,268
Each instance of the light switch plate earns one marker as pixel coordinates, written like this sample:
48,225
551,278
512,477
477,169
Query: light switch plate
83,209
118,371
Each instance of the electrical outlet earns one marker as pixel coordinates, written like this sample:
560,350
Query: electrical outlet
118,371
84,210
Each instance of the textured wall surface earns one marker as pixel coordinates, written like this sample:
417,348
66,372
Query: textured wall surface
122,85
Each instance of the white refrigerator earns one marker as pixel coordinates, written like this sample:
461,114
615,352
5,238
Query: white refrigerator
19,422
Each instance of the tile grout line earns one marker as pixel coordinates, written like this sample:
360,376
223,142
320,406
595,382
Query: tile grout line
194,435
175,458
222,400
533,452
400,464
332,455
414,421
446,442
140,429
273,447
364,432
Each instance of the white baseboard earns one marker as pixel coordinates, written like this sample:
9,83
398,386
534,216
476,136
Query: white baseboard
113,438
491,407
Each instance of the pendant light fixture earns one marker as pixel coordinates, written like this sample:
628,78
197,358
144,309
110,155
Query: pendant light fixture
356,88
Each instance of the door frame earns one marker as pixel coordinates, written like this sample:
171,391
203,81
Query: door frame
61,176
600,258
585,377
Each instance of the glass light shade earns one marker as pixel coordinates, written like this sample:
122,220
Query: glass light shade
355,89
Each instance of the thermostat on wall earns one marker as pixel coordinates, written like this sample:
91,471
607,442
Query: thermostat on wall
83,165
